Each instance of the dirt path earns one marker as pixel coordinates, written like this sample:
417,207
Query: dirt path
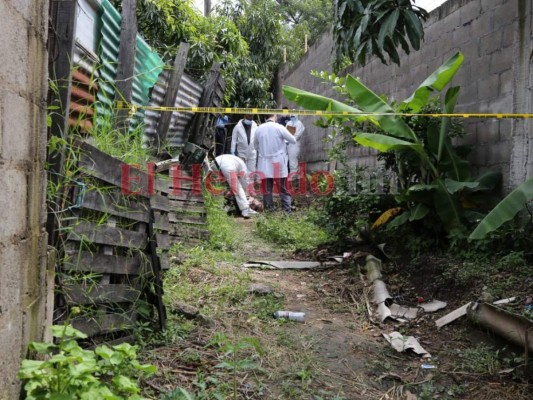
338,344
237,350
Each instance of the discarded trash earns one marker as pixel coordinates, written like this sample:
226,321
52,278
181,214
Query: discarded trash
504,301
398,311
529,304
433,306
373,268
511,326
292,315
455,314
288,264
402,343
428,366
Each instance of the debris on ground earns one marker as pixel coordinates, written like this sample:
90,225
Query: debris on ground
288,264
515,328
450,317
403,343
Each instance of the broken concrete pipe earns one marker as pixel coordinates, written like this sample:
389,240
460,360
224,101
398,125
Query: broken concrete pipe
515,328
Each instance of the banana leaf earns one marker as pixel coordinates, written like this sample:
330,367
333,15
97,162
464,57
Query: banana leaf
387,143
368,101
311,101
505,210
436,81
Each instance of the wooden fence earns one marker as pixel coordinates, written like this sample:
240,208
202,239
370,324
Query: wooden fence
114,246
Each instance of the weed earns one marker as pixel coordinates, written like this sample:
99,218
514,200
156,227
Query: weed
74,373
294,232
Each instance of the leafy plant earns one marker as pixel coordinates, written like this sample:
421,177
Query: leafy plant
442,185
505,210
70,372
362,28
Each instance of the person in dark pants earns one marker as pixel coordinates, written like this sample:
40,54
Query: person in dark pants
270,143
220,135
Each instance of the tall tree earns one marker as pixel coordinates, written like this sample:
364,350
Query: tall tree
362,28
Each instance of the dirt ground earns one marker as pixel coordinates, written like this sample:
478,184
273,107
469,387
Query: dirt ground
337,353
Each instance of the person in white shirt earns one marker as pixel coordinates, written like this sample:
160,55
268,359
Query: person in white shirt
235,173
294,149
242,141
270,143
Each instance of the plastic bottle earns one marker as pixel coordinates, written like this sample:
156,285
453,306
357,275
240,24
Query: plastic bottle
292,315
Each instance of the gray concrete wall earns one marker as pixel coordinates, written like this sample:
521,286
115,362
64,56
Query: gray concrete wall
23,85
495,78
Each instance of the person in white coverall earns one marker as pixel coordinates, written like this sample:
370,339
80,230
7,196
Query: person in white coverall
242,142
294,149
270,142
235,173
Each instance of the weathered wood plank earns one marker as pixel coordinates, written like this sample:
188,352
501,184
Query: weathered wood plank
102,263
165,261
161,222
171,92
164,241
131,207
101,234
186,207
187,195
161,203
105,323
100,294
111,170
126,60
174,218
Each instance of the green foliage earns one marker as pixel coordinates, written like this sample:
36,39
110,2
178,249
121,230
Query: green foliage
291,232
362,28
436,183
222,229
70,372
506,210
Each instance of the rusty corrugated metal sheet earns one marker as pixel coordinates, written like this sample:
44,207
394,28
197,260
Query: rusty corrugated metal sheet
189,94
83,91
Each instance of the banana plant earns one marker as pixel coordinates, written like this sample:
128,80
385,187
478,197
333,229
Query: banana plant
444,177
505,210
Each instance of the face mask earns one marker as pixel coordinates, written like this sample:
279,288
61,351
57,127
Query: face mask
246,122
294,118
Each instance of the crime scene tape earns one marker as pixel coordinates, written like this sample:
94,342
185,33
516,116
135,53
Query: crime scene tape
133,108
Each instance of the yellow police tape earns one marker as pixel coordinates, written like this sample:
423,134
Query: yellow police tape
133,108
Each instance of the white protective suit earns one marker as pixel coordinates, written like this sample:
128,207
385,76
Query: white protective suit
231,165
294,149
270,139
241,147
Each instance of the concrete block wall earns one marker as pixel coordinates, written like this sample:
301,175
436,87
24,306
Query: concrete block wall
23,86
495,38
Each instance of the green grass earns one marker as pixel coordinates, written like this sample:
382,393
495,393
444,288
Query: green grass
291,232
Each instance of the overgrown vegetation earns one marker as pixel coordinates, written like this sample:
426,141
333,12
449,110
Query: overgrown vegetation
70,372
294,232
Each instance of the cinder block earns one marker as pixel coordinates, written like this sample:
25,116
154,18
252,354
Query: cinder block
490,43
23,7
14,49
469,12
14,190
482,25
16,127
501,60
488,89
505,14
498,153
488,132
510,34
